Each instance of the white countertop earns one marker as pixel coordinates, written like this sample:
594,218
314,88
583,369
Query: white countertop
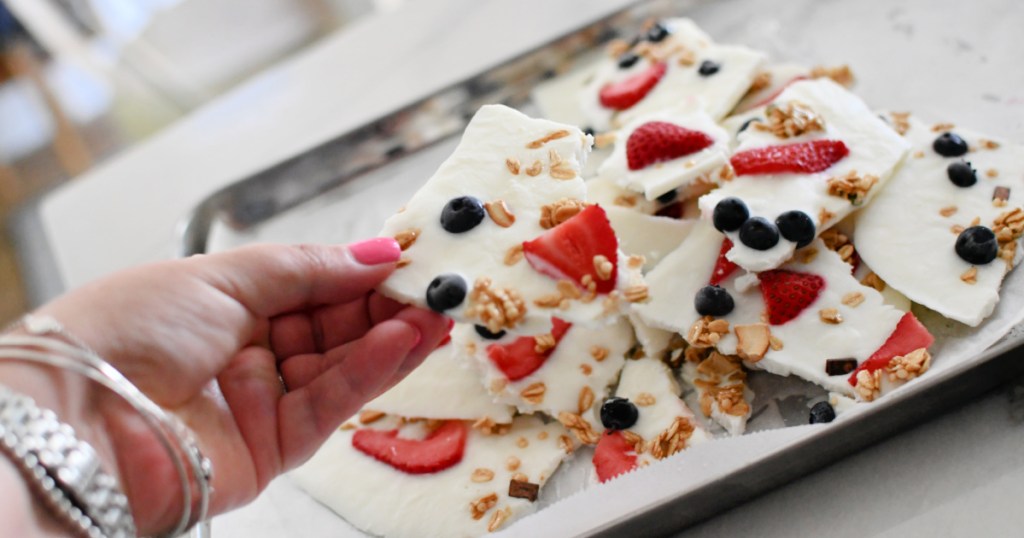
960,474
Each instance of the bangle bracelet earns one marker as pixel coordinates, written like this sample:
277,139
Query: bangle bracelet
173,435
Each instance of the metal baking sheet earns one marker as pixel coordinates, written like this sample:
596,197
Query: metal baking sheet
343,189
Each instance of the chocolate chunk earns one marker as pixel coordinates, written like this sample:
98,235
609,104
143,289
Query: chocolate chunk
523,490
840,366
1001,193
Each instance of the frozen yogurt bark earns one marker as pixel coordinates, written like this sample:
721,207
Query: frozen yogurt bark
501,235
648,236
671,62
819,155
400,479
945,230
774,78
722,390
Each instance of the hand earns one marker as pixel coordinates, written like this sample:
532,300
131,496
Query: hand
211,338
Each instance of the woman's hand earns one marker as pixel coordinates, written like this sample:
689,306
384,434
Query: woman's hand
211,338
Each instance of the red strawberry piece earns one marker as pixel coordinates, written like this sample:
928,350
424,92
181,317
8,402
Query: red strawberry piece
613,456
629,91
723,267
799,158
440,450
908,336
657,141
520,358
787,293
675,210
567,251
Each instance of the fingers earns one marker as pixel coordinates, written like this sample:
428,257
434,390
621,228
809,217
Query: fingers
330,326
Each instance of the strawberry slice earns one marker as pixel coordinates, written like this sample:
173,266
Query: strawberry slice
787,293
520,358
723,267
799,158
613,456
657,141
628,92
908,336
567,251
440,450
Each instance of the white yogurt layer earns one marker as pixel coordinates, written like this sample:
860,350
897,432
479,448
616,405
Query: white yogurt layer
649,236
779,75
718,93
442,387
874,150
383,501
906,235
655,342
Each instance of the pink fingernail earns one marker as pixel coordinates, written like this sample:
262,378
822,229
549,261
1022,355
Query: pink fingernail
376,251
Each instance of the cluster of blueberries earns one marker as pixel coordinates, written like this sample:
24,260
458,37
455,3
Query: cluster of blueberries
656,34
758,233
976,245
459,215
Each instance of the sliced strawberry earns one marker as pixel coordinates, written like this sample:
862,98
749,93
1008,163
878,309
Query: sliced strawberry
567,251
908,336
628,92
657,141
799,158
613,456
440,450
520,358
787,293
723,267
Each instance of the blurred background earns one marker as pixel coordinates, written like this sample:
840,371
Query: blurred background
81,80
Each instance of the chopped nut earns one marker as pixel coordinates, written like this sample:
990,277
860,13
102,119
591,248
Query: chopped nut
687,58
523,490
775,343
830,316
948,211
873,281
544,342
569,289
672,440
512,165
869,384
534,393
522,442
625,200
792,119
406,238
752,341
553,214
645,399
707,331
498,518
909,366
852,187
824,216
635,261
547,138
970,276
542,435
402,263
520,477
482,475
992,172
500,213
551,300
562,172
988,144
635,293
579,427
853,299
956,228
369,417
487,426
900,121
840,74
514,255
918,154
762,80
512,463
586,369
585,400
496,308
482,505
940,127
347,426
535,169
565,443
603,267
498,384
604,140
727,172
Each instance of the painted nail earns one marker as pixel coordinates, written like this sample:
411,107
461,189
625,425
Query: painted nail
376,251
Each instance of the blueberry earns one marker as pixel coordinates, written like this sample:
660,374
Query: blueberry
822,412
713,301
730,214
747,123
949,145
485,333
668,197
708,68
462,214
657,33
588,130
977,245
796,226
628,60
446,291
618,413
759,234
961,174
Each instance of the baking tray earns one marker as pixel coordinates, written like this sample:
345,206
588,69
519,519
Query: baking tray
326,194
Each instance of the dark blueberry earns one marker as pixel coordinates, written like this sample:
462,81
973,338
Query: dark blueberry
708,68
949,145
730,214
961,174
628,60
657,33
485,333
822,412
462,214
796,226
588,130
747,123
713,301
977,245
759,234
618,413
445,292
668,197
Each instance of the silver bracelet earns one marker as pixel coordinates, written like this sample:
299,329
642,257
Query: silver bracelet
63,471
72,354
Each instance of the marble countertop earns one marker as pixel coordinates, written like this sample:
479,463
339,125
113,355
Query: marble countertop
956,475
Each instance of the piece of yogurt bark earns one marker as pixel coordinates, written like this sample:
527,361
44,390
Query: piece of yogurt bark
672,61
662,152
566,373
818,322
957,187
434,479
820,155
444,386
774,78
722,389
664,425
487,239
